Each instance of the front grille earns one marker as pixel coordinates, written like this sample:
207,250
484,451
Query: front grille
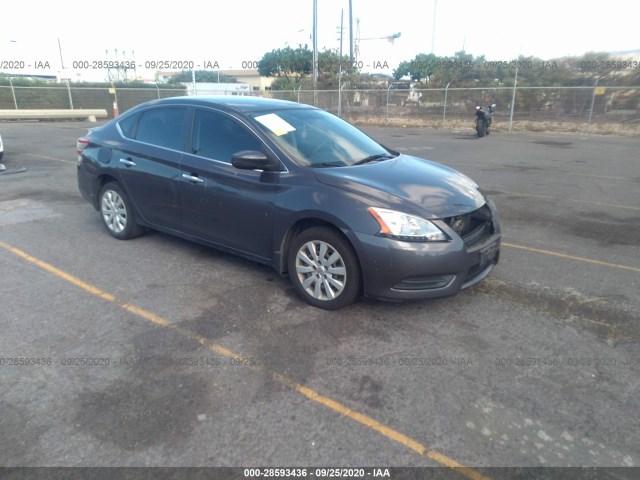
424,283
473,227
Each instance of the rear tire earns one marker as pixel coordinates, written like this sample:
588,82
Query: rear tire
324,269
116,212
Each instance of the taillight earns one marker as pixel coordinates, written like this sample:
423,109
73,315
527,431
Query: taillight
80,146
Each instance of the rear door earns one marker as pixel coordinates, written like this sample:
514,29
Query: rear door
149,164
221,203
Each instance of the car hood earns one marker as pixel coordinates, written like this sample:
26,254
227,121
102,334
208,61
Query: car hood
436,190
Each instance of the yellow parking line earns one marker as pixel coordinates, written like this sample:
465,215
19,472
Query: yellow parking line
49,158
327,402
570,257
59,273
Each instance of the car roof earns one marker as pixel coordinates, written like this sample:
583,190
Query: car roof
238,103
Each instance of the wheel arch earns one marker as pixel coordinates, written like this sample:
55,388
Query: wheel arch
99,182
304,224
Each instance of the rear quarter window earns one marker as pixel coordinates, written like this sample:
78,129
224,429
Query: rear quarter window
128,125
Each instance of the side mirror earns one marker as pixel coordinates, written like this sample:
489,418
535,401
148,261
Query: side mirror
254,160
493,105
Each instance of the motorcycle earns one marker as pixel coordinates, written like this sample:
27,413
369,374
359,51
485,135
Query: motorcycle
483,119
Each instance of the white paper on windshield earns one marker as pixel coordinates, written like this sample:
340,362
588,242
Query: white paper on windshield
276,124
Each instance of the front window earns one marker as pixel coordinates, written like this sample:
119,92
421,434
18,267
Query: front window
218,137
317,138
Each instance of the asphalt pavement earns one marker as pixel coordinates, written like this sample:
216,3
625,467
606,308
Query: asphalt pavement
161,352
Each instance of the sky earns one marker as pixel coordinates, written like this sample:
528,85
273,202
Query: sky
235,34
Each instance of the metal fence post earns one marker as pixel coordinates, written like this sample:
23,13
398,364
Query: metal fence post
387,114
69,92
593,100
13,92
513,98
158,89
444,111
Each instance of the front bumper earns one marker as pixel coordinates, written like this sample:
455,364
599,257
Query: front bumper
396,270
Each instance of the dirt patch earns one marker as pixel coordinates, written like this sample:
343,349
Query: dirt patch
613,324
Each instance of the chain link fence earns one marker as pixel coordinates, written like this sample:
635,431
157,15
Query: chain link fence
533,108
68,97
574,107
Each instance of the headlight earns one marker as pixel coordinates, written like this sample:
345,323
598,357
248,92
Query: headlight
403,226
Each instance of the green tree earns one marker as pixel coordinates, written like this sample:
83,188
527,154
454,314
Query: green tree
434,72
329,67
287,63
422,67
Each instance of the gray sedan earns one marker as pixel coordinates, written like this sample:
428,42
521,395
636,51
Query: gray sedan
294,187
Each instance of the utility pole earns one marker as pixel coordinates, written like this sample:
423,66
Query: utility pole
433,29
315,49
340,63
351,32
60,50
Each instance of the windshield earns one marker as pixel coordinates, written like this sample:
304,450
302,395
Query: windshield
317,138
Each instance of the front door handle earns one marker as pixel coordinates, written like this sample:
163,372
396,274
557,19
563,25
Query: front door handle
192,178
127,162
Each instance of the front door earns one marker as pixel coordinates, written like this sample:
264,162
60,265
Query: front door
221,203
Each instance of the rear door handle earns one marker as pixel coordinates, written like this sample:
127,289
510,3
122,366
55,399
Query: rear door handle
127,162
192,178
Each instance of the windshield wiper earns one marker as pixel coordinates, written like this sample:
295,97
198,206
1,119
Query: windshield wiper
374,158
327,164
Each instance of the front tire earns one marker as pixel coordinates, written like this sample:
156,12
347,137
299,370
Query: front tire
116,212
480,128
324,269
